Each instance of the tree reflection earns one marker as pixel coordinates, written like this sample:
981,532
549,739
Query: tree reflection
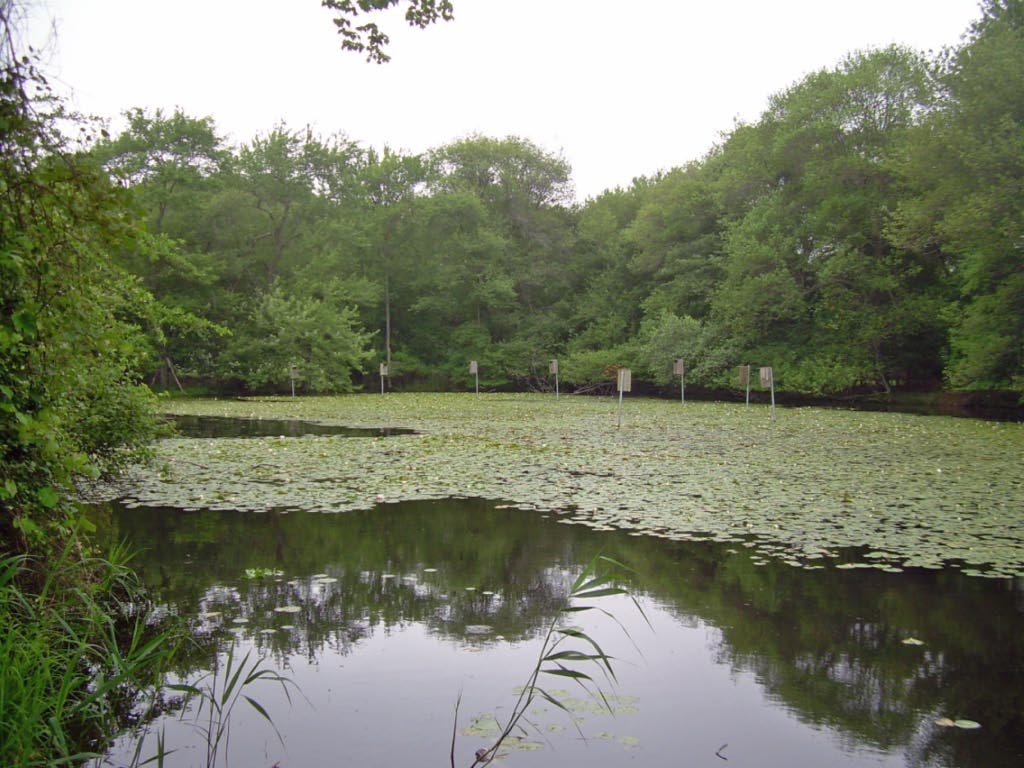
827,644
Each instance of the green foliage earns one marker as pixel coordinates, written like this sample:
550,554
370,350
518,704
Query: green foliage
707,356
862,234
70,347
75,659
319,338
367,37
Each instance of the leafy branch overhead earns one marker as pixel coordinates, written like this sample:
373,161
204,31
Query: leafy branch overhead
368,38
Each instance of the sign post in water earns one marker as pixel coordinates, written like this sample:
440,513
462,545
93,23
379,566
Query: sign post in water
553,369
744,371
625,384
475,370
679,369
768,382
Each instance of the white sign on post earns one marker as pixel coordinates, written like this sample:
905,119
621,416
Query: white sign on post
625,384
768,380
625,380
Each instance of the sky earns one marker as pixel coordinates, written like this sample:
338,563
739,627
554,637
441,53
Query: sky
619,88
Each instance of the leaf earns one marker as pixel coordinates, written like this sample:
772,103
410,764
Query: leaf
258,707
48,497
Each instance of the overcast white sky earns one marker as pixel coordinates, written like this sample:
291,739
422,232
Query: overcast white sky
621,88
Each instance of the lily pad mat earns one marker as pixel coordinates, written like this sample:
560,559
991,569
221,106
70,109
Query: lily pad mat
917,491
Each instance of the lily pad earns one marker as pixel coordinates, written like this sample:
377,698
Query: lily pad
720,480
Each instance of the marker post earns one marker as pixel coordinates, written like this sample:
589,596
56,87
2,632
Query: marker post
625,384
768,381
744,372
679,369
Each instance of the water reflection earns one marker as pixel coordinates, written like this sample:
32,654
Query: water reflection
384,616
222,426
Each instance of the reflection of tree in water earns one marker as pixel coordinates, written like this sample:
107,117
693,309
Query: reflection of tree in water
827,644
450,567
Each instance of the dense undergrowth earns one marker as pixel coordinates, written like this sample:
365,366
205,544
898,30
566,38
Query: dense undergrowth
79,647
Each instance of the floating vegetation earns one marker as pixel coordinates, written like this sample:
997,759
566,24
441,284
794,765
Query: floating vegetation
261,573
715,471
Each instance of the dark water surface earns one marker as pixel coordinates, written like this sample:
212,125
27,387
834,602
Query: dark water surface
404,607
220,426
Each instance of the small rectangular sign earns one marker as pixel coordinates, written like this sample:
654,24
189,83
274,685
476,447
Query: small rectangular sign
625,380
553,367
473,366
679,367
766,377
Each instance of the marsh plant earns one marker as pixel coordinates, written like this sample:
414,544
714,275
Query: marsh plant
78,648
566,653
217,694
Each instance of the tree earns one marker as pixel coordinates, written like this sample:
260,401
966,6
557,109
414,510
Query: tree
963,168
70,404
812,280
320,338
367,37
164,159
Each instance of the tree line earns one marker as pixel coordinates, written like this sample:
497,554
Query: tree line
865,232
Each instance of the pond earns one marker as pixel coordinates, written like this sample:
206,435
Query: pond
828,588
400,609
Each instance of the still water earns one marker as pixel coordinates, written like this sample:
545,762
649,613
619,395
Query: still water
394,613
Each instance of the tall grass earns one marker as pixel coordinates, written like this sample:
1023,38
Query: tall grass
76,650
566,653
